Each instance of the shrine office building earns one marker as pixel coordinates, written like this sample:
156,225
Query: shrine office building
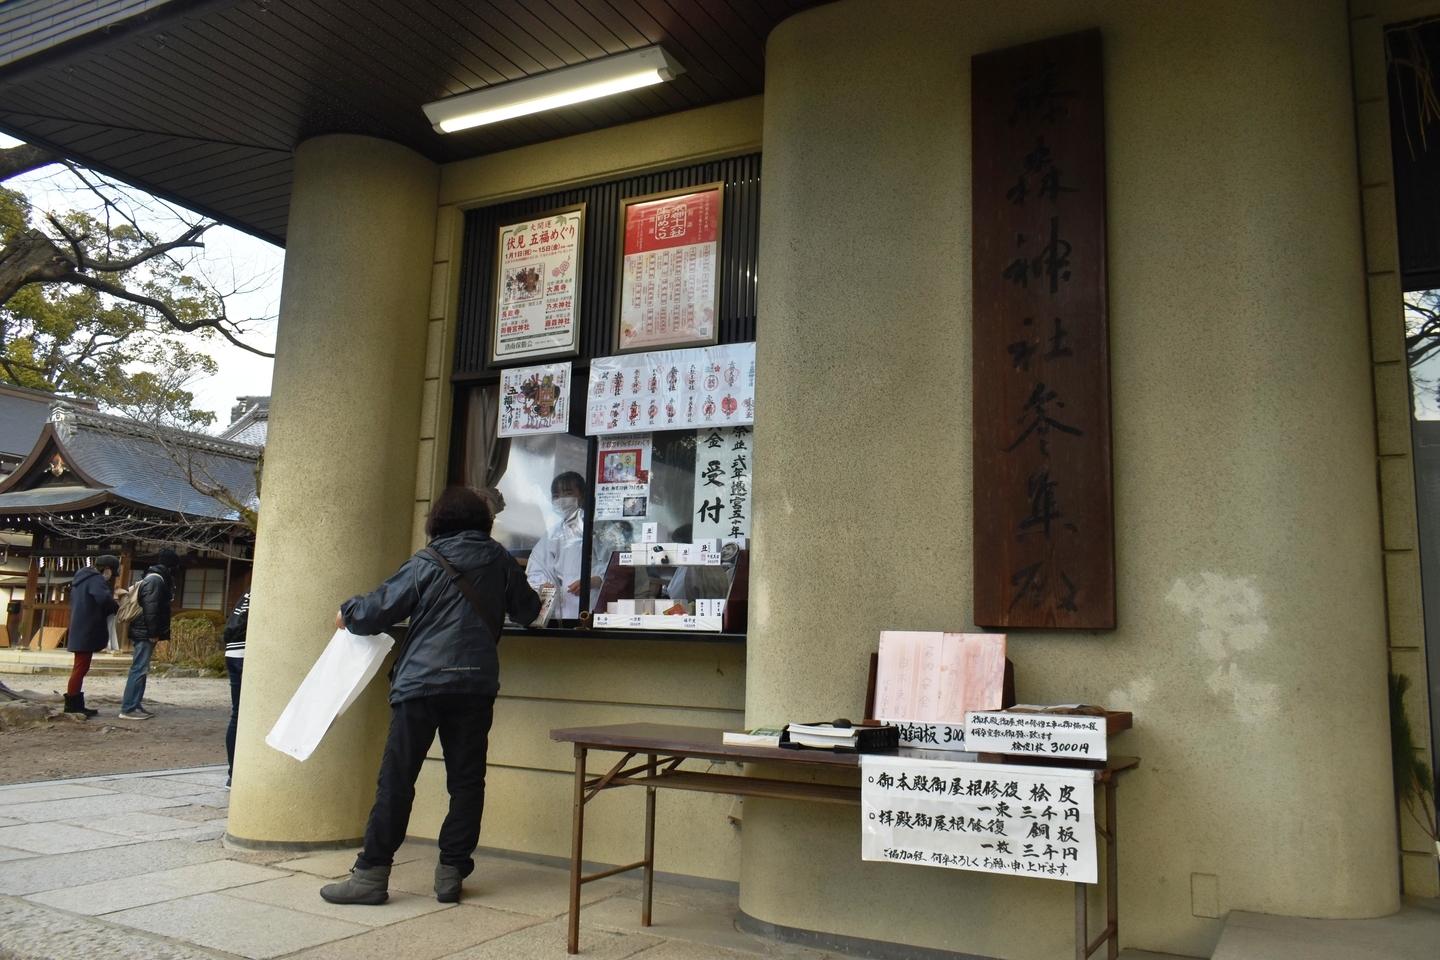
1270,195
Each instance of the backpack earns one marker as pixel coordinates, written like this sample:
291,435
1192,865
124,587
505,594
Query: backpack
129,608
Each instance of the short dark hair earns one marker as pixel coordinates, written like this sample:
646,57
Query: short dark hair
458,509
567,479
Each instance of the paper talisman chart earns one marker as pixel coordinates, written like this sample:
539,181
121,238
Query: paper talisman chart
668,282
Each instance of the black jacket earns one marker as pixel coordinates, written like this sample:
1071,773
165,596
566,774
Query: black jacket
90,604
448,648
153,623
237,626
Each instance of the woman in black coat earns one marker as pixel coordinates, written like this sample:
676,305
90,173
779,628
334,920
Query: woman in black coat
91,606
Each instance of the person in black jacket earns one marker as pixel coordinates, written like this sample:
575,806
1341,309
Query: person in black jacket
92,603
157,589
235,629
445,678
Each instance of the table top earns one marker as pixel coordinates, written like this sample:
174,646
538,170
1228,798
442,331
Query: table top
708,742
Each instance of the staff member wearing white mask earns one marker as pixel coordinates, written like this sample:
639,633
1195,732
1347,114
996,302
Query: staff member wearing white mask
556,559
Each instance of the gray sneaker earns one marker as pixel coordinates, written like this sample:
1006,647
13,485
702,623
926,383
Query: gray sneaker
145,710
134,715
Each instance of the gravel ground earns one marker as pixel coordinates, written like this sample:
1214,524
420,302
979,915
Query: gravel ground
188,730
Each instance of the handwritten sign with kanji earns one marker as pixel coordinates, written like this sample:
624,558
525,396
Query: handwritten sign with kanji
991,817
1044,518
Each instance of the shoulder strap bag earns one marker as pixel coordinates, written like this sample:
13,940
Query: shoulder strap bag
486,615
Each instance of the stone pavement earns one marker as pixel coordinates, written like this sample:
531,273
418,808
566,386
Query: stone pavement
130,867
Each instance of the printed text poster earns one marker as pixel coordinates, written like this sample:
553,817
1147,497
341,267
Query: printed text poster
537,292
622,482
668,290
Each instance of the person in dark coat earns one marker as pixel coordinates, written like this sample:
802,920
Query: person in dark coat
235,630
445,678
157,589
92,604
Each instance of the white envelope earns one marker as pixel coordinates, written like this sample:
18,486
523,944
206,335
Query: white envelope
347,664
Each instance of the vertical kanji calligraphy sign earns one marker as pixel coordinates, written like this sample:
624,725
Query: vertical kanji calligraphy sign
1044,519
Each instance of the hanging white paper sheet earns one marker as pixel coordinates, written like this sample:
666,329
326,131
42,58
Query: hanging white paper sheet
672,390
989,817
347,664
723,463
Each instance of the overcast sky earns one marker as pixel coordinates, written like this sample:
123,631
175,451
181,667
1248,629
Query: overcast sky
228,254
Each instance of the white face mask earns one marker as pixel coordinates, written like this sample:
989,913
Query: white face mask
566,506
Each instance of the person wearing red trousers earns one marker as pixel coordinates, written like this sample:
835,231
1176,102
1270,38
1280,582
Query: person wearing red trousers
92,603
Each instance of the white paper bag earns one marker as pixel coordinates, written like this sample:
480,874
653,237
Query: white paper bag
348,663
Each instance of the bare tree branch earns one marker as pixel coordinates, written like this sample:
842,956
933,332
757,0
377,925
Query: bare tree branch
23,158
190,326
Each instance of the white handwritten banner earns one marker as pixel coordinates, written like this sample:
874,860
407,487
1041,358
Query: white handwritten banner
672,390
989,817
723,458
1037,734
535,399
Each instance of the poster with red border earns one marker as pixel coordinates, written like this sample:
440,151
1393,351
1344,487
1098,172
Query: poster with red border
669,277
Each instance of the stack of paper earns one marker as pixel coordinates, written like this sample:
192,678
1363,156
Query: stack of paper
759,737
823,736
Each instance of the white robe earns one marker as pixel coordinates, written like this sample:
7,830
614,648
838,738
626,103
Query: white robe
556,559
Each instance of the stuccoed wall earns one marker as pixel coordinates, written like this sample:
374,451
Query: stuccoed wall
339,469
1252,638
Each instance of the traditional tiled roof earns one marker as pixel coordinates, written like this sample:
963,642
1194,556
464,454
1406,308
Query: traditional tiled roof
249,421
23,414
86,460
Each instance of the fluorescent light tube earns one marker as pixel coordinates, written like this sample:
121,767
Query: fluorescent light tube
557,88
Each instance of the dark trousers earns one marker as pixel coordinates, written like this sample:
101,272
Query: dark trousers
463,722
235,667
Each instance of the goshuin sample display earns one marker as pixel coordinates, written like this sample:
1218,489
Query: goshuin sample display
672,390
669,276
537,286
535,400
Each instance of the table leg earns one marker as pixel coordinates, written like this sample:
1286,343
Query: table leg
577,843
1082,924
1112,874
649,879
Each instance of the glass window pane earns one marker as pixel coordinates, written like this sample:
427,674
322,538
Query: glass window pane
194,589
214,589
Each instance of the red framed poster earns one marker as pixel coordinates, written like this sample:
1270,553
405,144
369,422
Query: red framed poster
668,293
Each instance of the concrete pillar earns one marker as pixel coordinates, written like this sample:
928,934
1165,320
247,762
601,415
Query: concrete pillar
338,494
1251,644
